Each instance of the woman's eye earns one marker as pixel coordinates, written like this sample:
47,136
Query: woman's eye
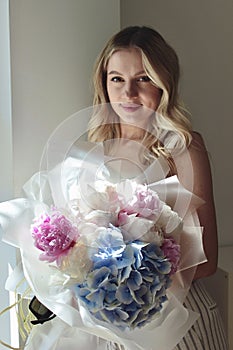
144,78
117,79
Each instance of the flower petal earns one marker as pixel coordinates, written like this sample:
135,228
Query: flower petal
123,294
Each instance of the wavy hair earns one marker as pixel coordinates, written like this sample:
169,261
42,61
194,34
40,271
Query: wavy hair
170,129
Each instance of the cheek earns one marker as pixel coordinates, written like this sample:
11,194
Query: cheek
110,92
153,98
114,91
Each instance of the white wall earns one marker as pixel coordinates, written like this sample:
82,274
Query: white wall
201,32
54,44
7,253
6,182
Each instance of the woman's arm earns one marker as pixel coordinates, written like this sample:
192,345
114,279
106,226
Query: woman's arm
201,185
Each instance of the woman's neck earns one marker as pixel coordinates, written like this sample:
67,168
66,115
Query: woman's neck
132,132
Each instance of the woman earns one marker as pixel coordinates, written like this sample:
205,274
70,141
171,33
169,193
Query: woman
139,120
138,74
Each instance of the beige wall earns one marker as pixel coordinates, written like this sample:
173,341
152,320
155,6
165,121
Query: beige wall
201,32
54,44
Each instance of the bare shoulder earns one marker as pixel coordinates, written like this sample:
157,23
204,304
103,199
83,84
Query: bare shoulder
197,150
197,142
193,167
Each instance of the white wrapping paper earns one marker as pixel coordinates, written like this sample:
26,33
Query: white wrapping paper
74,327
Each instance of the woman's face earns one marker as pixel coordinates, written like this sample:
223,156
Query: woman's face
131,93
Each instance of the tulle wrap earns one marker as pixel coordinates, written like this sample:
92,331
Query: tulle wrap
73,327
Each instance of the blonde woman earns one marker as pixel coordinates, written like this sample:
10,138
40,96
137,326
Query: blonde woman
136,82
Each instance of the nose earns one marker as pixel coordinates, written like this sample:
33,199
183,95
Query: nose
131,89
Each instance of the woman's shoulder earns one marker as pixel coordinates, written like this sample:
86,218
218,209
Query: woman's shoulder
198,152
193,166
197,141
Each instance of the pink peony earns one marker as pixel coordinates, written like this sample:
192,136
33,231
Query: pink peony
145,203
53,234
123,218
172,251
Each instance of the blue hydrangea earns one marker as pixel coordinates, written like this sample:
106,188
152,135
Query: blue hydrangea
127,284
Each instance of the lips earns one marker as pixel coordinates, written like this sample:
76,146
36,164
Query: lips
130,107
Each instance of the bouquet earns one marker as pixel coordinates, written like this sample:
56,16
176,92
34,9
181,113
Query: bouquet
119,257
108,258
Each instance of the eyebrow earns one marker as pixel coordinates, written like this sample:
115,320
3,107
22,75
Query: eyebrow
115,72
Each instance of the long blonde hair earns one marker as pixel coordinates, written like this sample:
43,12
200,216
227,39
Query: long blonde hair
170,129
